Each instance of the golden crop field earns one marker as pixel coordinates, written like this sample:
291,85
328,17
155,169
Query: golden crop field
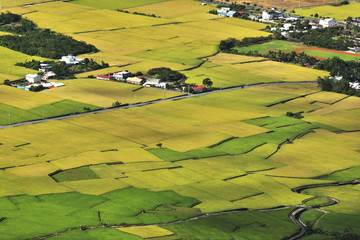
8,70
339,12
150,167
104,93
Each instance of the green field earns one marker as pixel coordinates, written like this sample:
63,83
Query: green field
324,54
276,45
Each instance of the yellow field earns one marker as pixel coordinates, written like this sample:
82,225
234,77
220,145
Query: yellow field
104,93
147,231
224,58
339,13
7,62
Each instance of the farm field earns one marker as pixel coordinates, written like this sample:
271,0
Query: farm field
8,70
77,96
245,157
226,165
286,4
274,45
339,12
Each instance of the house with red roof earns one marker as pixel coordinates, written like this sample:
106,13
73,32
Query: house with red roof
198,89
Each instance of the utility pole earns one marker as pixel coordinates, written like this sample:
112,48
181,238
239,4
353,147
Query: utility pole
164,92
9,118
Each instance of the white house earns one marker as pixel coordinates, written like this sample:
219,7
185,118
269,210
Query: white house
231,13
354,49
152,82
336,78
70,60
33,78
327,22
355,85
267,16
121,75
287,26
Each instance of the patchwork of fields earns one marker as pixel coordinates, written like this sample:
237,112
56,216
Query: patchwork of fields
247,156
220,166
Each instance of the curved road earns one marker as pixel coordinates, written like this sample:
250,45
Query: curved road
152,102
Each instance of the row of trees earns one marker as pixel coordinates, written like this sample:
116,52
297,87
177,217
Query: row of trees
230,43
323,38
33,40
348,70
167,75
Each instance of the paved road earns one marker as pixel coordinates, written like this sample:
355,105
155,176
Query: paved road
152,102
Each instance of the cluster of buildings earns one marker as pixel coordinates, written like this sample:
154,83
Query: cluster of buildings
35,80
355,85
128,77
227,12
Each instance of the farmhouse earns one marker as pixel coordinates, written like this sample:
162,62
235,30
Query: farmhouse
198,89
135,80
153,82
123,75
70,60
267,16
33,78
231,14
103,77
327,22
355,85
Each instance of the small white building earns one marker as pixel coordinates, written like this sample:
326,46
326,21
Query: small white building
354,49
327,22
70,60
267,16
336,78
223,10
153,82
287,26
121,75
33,78
355,85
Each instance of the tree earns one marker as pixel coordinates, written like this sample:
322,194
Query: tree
207,82
316,15
167,75
159,145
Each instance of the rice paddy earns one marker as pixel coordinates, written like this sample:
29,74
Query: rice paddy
337,12
230,158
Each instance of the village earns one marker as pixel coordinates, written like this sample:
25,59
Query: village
40,81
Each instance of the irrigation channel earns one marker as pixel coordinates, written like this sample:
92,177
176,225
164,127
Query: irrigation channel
293,215
141,104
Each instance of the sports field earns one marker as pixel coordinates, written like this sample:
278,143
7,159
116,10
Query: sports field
327,53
